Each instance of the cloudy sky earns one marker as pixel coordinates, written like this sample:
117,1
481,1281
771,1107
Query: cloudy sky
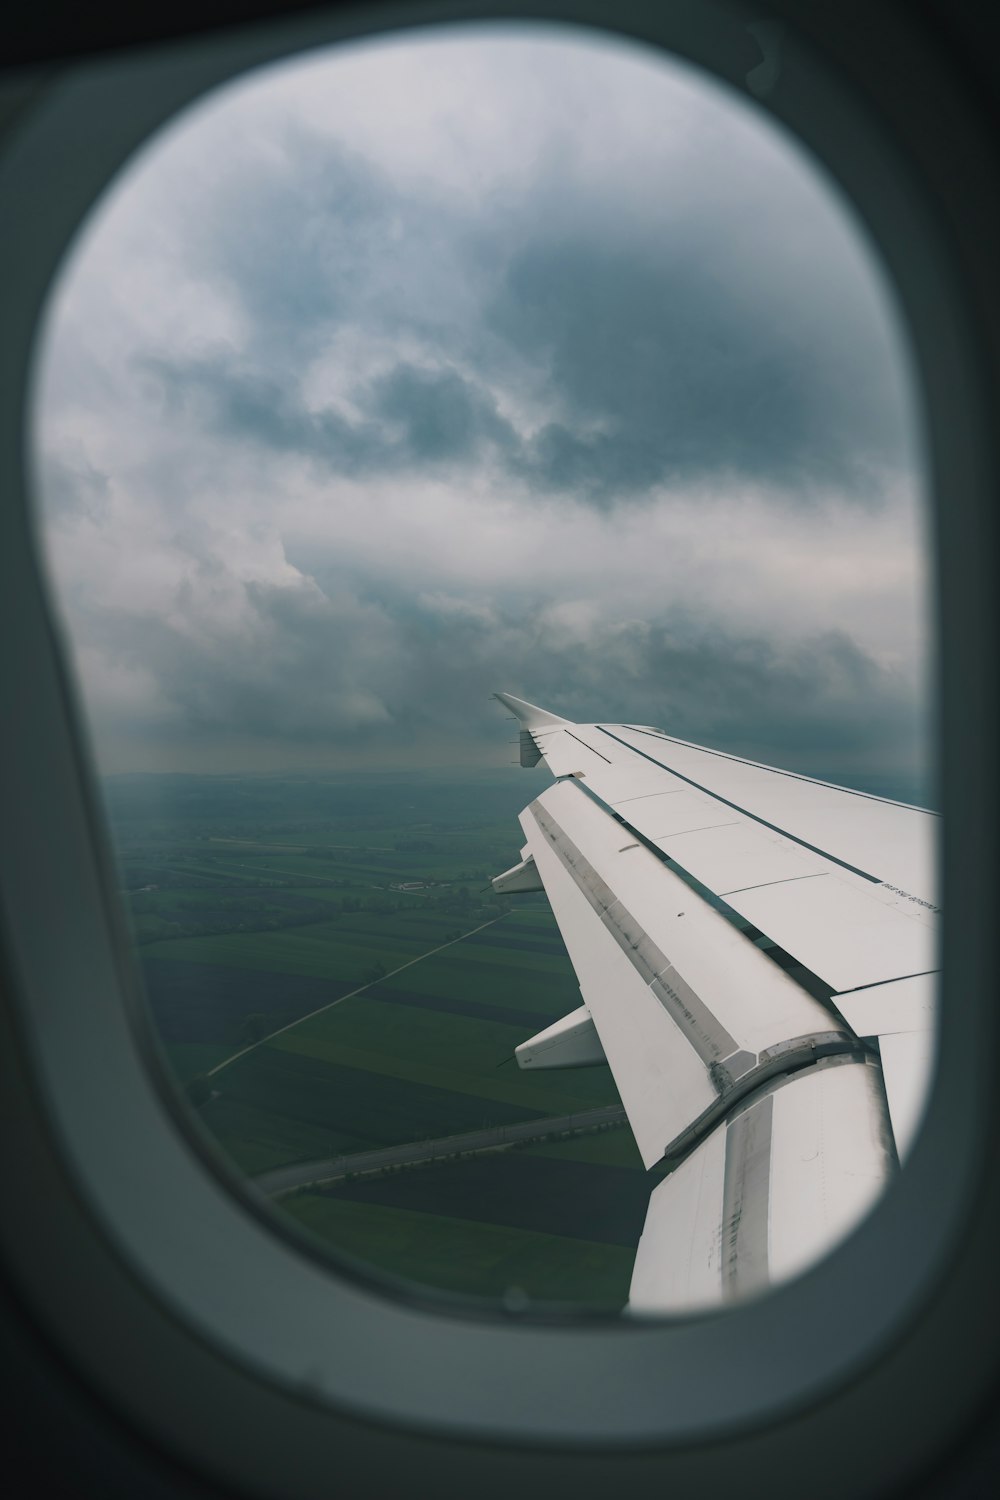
492,359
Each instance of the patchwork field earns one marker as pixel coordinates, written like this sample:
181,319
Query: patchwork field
465,1256
327,974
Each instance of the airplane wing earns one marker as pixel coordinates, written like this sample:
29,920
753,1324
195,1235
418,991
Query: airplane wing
756,953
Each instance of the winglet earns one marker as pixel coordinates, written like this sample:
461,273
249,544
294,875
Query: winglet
570,1043
528,714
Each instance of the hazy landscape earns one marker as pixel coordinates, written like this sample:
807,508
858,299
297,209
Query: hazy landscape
347,416
256,901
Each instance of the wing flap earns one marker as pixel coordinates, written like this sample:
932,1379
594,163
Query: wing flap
844,934
685,1006
907,1065
902,1016
767,1193
749,997
885,1009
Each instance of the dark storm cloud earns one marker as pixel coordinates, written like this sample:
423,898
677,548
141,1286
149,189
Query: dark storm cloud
662,374
290,666
294,232
821,700
690,369
442,416
311,238
412,416
72,486
386,670
820,697
656,349
350,434
221,393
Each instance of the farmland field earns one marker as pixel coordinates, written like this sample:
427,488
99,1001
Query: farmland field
329,972
468,1256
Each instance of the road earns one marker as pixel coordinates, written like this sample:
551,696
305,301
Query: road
310,1173
300,848
359,991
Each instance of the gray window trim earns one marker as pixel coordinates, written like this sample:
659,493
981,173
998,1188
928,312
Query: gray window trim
168,1290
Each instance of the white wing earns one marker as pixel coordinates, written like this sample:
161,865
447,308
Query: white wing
756,954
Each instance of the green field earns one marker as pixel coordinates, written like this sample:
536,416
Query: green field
459,1255
261,904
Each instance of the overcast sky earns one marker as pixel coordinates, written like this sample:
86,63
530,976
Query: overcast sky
495,359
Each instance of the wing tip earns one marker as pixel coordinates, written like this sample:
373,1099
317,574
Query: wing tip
529,715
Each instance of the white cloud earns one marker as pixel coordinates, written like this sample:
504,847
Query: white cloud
319,226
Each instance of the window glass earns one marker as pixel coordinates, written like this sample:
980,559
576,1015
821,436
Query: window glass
479,359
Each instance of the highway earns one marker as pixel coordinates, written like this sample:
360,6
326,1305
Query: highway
410,1153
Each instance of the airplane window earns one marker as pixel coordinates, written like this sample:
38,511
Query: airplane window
495,358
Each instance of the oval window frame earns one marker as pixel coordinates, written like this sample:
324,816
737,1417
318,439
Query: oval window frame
666,1385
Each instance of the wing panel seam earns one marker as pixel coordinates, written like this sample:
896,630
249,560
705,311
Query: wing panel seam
703,1030
774,827
576,737
697,1023
746,1197
758,765
817,987
785,880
